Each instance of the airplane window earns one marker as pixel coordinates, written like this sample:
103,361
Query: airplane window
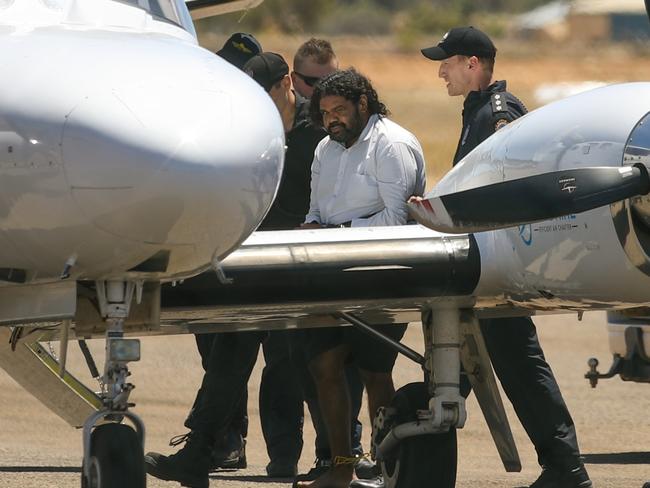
164,9
54,4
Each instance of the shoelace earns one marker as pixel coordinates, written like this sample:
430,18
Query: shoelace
179,439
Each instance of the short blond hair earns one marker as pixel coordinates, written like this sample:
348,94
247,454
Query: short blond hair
319,49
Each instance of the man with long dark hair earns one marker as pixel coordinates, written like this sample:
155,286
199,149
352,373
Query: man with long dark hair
362,175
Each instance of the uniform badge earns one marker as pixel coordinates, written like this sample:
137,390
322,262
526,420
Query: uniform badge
241,47
500,124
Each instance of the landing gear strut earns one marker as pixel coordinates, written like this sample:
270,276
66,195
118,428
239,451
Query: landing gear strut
114,452
414,439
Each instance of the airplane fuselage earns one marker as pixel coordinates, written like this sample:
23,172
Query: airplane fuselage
594,259
127,150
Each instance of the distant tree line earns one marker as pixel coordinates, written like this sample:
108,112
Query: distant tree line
370,17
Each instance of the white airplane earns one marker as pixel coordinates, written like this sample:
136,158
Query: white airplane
129,156
157,159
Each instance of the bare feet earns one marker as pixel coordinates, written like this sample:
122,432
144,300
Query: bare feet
336,477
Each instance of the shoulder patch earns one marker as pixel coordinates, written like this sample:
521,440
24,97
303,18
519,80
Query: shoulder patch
499,103
500,124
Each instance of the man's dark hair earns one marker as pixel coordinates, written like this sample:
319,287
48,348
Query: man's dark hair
319,49
349,84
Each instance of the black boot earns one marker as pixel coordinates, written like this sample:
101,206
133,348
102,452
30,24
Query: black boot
319,469
189,466
230,453
568,478
367,469
377,482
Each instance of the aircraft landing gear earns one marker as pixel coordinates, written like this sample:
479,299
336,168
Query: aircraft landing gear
116,458
114,452
418,460
414,439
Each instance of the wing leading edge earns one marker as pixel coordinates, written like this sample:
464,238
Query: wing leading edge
301,279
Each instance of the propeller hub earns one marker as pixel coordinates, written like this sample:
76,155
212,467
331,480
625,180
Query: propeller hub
632,217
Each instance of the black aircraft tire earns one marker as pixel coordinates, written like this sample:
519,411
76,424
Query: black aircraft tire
116,459
422,461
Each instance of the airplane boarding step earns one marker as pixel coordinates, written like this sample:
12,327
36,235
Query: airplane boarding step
36,370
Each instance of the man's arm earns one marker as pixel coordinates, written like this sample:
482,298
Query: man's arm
314,211
397,177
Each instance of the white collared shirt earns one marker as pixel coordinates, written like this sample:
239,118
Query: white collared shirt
369,182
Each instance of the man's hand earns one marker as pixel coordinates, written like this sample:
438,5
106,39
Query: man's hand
311,225
414,199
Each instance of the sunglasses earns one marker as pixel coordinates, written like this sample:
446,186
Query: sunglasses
309,80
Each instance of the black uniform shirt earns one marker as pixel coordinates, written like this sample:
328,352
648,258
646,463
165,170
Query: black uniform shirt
292,201
485,112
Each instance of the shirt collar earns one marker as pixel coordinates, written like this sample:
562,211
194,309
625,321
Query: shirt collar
367,130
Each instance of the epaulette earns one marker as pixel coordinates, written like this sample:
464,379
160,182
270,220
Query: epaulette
520,103
499,103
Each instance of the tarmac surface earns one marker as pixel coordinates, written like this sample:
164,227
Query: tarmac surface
38,450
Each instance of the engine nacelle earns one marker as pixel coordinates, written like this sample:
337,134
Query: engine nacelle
632,217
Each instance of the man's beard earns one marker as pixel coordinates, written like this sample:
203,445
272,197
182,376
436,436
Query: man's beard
347,134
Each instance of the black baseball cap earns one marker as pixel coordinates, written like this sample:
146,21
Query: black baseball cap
466,41
267,69
239,48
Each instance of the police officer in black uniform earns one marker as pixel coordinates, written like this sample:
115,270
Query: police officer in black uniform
467,60
229,450
280,406
232,357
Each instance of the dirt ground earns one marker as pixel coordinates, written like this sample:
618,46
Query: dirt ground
38,450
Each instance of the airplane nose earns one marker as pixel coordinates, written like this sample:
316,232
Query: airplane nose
196,167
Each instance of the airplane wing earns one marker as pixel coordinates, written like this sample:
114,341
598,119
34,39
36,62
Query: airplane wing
307,278
301,279
200,9
308,275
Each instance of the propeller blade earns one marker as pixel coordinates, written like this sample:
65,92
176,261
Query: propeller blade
530,199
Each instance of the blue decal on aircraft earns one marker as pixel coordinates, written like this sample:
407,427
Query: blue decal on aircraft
526,234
